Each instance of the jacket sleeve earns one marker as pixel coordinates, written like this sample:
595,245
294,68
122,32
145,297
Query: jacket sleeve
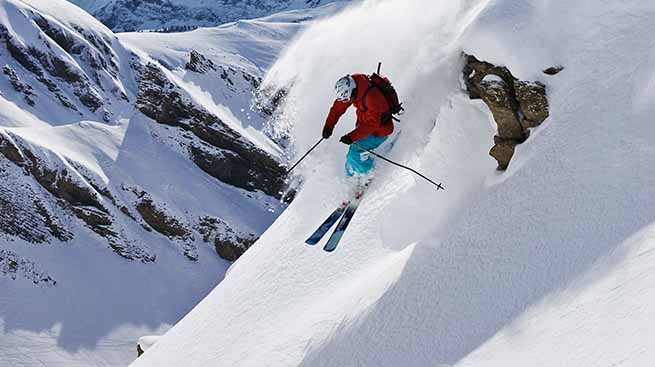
337,110
370,121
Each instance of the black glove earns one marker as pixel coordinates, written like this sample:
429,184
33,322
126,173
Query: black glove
327,132
346,139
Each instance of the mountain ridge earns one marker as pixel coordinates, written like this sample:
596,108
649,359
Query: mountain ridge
134,15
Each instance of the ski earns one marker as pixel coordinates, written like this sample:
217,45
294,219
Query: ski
332,243
327,224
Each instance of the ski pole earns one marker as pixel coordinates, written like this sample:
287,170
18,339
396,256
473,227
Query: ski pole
438,185
304,156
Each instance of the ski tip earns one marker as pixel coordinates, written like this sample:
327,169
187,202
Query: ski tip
311,243
328,249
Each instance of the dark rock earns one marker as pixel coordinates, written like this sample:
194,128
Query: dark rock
229,243
39,62
533,103
499,97
22,213
37,223
19,85
234,160
160,221
516,105
139,350
9,149
59,35
502,151
12,265
199,63
554,70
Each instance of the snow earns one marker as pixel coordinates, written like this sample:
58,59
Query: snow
546,264
102,303
124,15
251,44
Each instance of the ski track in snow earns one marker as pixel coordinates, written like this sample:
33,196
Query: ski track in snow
547,264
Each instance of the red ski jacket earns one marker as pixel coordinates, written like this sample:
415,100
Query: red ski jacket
369,119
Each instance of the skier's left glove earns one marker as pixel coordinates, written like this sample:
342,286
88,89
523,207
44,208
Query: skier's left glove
346,139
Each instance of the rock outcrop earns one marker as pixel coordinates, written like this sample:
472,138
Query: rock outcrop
16,266
199,63
229,243
516,106
215,147
29,213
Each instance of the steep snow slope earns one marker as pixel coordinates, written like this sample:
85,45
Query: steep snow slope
548,263
131,15
111,221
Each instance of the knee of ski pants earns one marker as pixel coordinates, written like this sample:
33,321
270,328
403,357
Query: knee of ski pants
361,162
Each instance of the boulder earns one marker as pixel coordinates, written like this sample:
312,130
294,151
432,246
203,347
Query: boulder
516,106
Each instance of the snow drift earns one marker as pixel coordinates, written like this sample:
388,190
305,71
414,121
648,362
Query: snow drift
549,263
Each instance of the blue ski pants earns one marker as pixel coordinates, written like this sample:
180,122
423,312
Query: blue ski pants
360,162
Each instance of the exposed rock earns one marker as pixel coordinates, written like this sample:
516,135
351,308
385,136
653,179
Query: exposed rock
499,97
160,221
516,105
166,224
533,103
59,35
22,213
36,224
199,63
229,243
42,64
10,150
502,151
14,265
231,157
554,70
19,85
254,81
28,219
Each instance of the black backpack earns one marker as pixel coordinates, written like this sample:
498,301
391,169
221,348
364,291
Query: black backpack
384,85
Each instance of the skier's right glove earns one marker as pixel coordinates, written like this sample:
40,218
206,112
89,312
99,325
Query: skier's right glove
327,132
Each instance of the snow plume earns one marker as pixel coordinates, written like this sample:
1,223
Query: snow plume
546,264
417,43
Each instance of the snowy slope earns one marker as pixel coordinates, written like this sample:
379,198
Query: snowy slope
131,15
547,264
111,227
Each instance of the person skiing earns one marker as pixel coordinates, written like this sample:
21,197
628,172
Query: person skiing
374,121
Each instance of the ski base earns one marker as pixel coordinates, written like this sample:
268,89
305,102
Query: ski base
332,243
327,224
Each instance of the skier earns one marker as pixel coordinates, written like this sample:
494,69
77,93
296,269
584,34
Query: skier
374,120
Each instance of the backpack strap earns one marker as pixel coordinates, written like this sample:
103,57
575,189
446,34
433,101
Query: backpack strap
370,86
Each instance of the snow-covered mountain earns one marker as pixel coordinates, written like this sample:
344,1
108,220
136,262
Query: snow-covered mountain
131,171
548,263
131,15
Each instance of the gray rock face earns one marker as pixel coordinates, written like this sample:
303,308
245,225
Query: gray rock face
199,63
32,212
229,243
215,147
516,105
